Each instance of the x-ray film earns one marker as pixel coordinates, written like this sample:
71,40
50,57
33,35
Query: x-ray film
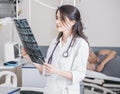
28,40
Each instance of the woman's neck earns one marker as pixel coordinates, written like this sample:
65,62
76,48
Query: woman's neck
65,36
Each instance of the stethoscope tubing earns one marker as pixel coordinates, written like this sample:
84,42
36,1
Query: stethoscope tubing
65,53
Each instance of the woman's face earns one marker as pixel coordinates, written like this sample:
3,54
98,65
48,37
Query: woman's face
63,26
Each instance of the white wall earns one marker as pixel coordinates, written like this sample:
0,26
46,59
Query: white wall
101,19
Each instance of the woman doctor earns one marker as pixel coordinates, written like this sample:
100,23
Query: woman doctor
67,55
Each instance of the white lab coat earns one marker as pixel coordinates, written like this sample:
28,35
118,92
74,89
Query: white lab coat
75,63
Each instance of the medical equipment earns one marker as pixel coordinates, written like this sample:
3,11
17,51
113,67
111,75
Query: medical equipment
11,51
74,2
65,53
27,90
99,79
61,3
10,79
9,8
95,89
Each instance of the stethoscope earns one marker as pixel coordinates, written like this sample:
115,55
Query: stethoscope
65,53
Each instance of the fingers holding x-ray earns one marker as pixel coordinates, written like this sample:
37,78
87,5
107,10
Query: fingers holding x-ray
50,69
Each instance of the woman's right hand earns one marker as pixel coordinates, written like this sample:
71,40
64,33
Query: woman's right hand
39,67
24,54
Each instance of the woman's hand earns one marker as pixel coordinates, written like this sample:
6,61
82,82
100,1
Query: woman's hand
24,54
39,67
50,69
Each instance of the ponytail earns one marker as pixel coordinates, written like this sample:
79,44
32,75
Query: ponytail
78,31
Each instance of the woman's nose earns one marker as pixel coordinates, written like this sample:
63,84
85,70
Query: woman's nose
58,20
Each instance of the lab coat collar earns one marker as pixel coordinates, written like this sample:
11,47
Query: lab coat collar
68,39
67,42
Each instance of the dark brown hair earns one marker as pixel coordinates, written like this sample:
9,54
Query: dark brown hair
72,13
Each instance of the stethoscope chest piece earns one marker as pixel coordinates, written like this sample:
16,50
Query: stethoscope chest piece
65,54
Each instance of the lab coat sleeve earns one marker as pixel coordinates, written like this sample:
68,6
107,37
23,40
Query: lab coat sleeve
80,63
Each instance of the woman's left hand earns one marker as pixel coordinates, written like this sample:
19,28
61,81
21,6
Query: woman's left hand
50,69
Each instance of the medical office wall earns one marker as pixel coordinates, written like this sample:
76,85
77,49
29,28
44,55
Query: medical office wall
101,19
